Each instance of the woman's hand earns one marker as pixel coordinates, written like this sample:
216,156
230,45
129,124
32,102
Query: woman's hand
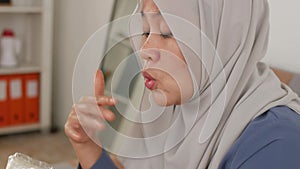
85,119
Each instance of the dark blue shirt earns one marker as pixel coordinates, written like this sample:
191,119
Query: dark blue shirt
104,162
270,141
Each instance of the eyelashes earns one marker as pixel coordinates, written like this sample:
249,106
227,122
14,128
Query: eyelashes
146,34
170,35
165,36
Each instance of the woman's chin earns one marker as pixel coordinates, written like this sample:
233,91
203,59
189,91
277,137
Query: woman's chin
160,98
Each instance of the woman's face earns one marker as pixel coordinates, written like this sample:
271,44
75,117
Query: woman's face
165,70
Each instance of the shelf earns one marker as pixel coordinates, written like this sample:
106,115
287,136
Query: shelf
20,9
19,129
20,70
33,25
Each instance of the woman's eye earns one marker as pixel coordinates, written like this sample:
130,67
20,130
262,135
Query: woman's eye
146,34
166,35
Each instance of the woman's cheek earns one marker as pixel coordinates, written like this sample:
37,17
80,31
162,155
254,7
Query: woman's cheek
167,93
187,86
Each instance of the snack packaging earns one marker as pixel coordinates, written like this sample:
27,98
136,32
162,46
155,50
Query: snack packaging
22,161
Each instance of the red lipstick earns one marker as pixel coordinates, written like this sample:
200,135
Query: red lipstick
149,80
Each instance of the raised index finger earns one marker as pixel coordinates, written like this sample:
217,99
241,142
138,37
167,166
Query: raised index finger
99,83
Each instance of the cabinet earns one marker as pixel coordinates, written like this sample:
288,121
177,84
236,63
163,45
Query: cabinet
32,24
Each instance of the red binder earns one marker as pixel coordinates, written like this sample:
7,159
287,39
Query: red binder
31,88
16,99
4,112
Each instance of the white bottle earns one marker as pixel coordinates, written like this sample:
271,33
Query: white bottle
10,49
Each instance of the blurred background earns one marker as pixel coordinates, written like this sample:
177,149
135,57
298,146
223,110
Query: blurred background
44,38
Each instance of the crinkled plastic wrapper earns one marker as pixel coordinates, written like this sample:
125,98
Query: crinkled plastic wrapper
22,161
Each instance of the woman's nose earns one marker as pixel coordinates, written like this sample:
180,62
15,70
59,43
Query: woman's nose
150,49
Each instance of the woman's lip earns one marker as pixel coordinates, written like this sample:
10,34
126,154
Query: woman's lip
149,80
147,76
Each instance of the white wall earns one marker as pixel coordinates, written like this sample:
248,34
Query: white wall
284,47
75,21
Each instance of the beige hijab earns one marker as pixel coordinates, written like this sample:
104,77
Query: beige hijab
223,42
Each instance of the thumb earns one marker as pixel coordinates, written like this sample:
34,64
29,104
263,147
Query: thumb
99,83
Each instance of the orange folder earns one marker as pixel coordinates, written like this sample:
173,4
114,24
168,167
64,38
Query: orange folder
16,99
31,101
4,112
